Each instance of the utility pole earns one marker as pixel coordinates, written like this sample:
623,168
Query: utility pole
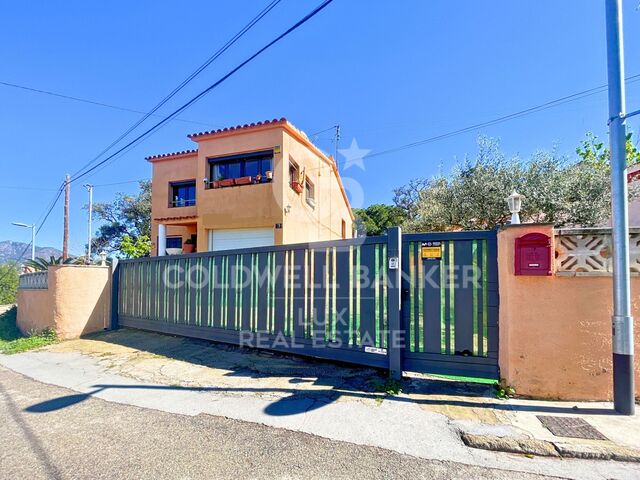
65,234
89,188
622,321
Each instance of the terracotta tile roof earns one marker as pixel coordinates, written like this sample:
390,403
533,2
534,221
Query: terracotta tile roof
173,154
246,126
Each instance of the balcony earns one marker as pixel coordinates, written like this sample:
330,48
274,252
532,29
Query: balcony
182,202
183,193
236,182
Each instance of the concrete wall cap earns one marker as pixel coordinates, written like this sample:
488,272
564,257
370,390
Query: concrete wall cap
522,225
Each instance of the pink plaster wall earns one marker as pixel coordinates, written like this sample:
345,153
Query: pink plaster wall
76,302
555,331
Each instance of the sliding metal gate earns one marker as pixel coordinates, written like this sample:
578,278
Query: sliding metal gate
326,299
335,300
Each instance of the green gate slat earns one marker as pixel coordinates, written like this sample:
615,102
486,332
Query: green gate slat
319,291
432,306
298,294
412,288
262,289
342,294
366,292
465,289
280,289
385,320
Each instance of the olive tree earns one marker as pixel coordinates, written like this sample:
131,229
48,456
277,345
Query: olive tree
558,190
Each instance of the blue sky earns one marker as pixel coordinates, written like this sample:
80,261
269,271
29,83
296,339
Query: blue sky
389,73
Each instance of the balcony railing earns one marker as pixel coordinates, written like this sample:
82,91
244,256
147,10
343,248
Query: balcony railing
236,182
180,202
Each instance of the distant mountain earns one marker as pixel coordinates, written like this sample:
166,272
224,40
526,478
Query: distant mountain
10,251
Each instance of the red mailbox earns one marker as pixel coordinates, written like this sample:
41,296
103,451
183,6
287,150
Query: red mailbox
533,254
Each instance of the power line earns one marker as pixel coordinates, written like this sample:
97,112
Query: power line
298,24
92,102
185,82
528,111
531,110
521,113
332,128
121,183
44,217
50,209
16,187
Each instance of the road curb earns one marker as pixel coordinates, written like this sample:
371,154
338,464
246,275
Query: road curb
527,446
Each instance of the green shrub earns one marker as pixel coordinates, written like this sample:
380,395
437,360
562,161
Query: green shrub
8,283
13,341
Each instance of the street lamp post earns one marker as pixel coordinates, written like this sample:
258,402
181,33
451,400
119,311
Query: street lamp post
33,236
89,188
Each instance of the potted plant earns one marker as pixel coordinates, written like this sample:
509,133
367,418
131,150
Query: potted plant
243,180
297,187
227,182
188,246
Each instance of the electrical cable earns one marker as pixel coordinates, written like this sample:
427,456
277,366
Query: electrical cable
521,113
193,100
40,224
93,102
185,82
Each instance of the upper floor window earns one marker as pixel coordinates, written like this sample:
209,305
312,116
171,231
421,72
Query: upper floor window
310,192
296,177
256,167
183,194
293,173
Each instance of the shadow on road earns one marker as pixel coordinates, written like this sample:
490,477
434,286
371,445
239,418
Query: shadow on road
336,380
305,401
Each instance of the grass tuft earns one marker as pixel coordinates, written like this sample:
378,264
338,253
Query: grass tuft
389,386
13,341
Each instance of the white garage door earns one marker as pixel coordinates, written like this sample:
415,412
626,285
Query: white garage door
231,239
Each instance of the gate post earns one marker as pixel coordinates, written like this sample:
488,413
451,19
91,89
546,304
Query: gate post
394,268
115,288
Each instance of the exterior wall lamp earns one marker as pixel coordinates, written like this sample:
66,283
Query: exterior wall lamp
515,204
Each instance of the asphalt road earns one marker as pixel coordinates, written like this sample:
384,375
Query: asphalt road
62,438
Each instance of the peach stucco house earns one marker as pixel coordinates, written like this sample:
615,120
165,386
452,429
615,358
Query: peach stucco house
247,186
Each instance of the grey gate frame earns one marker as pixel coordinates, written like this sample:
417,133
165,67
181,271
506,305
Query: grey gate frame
336,300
